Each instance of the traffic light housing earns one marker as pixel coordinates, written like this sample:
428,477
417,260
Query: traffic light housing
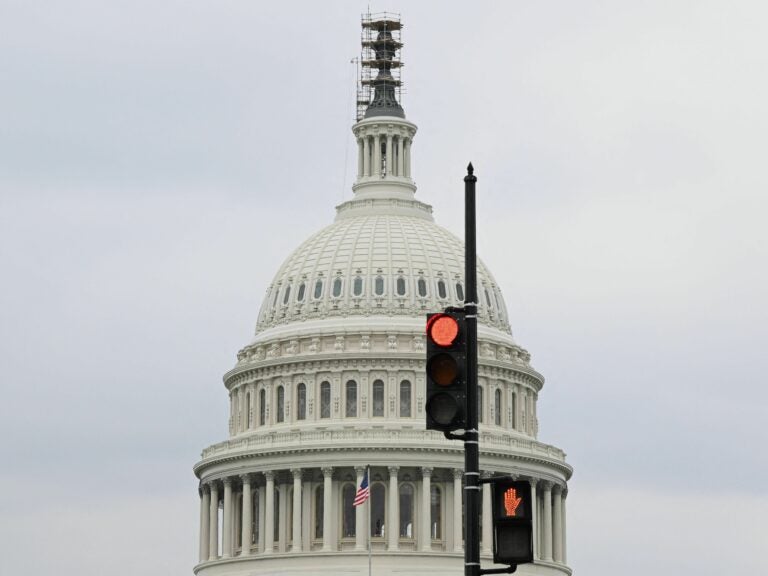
446,401
512,521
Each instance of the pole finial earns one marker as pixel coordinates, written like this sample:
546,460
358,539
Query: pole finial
470,169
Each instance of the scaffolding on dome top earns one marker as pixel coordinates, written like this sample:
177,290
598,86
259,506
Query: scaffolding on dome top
381,44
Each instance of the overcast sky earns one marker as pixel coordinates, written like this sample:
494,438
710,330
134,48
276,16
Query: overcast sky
159,160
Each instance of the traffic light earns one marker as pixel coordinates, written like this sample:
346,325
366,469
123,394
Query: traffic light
512,521
446,405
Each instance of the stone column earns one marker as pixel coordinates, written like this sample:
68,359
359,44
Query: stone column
407,157
535,518
213,532
390,160
426,509
393,518
457,516
377,155
282,521
487,540
205,521
400,156
360,515
261,495
296,533
247,530
269,513
226,524
360,157
557,529
565,531
327,511
366,156
546,552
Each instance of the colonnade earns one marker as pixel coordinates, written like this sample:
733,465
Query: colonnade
383,154
310,510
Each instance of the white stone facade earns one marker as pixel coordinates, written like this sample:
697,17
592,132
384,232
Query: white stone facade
334,382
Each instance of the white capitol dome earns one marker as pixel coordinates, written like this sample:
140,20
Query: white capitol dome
333,381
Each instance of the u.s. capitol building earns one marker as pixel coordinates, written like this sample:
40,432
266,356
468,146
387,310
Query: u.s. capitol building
333,381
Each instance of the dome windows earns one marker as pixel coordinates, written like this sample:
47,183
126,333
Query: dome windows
301,402
318,289
487,297
400,286
325,400
378,399
337,285
280,404
405,399
441,291
286,295
357,286
459,291
300,294
421,287
350,399
378,286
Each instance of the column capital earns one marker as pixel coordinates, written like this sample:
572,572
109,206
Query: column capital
296,472
327,470
393,470
426,472
227,481
247,478
360,469
533,482
557,487
269,474
458,473
204,487
486,474
547,485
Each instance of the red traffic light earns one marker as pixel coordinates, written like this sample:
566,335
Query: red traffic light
443,330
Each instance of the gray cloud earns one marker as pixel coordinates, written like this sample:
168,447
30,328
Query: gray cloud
158,162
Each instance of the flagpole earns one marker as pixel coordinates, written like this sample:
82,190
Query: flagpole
368,473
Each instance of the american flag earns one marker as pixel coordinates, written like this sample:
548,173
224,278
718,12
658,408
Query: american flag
363,492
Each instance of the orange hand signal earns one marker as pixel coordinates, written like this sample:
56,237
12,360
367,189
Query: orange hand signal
511,501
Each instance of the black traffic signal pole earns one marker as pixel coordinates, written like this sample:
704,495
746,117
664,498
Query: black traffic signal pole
471,436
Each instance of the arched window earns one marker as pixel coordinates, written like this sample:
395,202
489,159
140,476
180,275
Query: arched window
421,286
459,292
357,286
301,401
441,292
350,399
319,503
487,297
348,515
318,288
378,286
378,509
280,404
497,407
262,407
406,511
302,290
286,294
325,400
248,410
405,399
277,294
400,286
336,287
480,405
436,513
513,424
378,398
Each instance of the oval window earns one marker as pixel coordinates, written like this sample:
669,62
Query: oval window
378,286
401,286
337,288
422,287
441,289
